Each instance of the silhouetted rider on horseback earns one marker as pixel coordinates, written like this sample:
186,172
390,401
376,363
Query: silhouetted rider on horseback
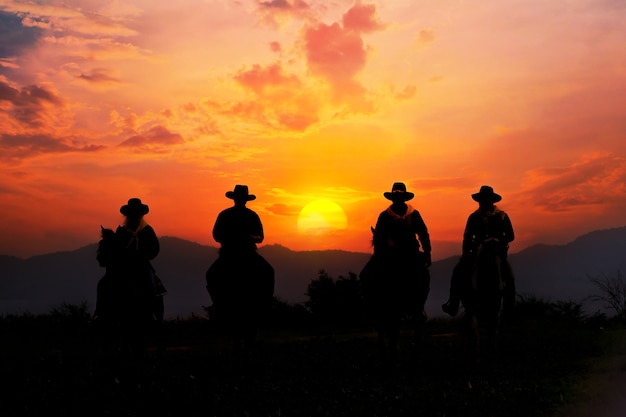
487,223
399,227
240,281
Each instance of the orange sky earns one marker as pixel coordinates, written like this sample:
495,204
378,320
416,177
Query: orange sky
175,102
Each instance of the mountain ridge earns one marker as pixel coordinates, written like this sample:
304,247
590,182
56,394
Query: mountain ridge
38,283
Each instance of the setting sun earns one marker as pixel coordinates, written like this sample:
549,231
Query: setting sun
321,216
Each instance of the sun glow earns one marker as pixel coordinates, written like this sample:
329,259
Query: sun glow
320,217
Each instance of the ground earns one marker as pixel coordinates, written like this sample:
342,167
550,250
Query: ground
316,371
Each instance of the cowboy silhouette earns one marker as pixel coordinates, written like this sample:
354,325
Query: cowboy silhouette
240,281
400,223
238,229
397,275
127,257
488,222
129,296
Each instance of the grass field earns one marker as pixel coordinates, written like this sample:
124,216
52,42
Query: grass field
52,366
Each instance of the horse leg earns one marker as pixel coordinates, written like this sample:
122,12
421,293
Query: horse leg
419,322
491,353
474,341
394,338
380,341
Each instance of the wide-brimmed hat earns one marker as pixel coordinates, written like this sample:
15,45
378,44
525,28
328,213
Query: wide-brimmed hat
240,193
398,192
134,206
486,195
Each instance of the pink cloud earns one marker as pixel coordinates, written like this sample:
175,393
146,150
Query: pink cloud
263,80
337,54
275,46
280,98
362,18
334,53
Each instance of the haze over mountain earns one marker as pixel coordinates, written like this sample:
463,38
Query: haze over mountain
555,272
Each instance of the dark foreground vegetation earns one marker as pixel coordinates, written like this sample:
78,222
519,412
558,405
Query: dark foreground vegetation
52,365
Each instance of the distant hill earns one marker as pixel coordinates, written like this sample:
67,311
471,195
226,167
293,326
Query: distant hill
558,272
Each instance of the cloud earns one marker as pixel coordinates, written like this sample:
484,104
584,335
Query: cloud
98,76
276,46
281,99
362,18
275,12
336,53
23,146
156,139
14,37
595,180
68,19
27,105
268,80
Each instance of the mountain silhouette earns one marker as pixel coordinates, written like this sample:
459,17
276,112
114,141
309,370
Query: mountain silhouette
552,272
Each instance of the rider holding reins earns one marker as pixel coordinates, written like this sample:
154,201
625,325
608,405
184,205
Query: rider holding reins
487,223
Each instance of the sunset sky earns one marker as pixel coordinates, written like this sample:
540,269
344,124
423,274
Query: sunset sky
307,101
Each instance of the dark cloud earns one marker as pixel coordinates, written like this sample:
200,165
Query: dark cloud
24,146
28,104
293,6
97,76
154,139
272,11
14,37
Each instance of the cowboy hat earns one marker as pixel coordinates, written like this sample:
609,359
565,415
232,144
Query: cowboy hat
486,195
134,206
398,192
240,193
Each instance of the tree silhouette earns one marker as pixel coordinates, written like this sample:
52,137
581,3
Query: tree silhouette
612,292
335,301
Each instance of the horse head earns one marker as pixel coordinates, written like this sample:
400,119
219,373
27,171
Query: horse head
106,247
380,244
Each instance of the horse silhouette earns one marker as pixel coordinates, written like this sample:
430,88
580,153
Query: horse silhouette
395,283
483,301
127,307
241,287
